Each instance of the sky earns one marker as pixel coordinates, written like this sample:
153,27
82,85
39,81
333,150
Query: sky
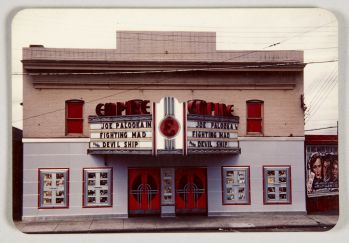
313,30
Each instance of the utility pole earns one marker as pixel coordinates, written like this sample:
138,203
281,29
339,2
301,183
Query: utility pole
337,129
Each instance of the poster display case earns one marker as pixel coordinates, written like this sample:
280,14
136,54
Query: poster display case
236,185
53,188
277,184
167,186
97,187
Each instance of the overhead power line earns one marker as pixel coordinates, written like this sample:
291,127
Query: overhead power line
62,109
320,88
215,41
321,128
300,34
190,53
315,83
322,96
322,101
281,41
283,64
118,93
193,39
209,68
89,101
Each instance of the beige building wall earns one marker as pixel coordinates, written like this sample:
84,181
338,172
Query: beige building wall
276,77
44,109
185,65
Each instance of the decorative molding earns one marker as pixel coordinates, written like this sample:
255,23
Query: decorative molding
271,138
169,152
162,86
264,213
120,151
232,119
98,119
214,151
55,140
87,140
94,66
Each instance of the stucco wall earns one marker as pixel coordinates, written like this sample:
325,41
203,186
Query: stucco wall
257,154
267,151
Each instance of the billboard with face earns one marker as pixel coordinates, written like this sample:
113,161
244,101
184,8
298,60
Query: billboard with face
322,174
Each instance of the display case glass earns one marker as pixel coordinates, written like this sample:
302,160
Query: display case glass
53,189
97,187
277,187
167,186
236,185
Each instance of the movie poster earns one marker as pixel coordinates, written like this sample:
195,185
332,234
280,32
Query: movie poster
322,174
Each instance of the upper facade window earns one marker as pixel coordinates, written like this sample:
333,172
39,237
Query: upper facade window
254,117
74,116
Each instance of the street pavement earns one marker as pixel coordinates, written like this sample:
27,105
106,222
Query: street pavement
241,222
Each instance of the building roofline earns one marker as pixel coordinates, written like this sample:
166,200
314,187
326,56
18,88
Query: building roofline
121,55
104,66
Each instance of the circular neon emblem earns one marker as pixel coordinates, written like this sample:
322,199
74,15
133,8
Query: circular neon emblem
169,127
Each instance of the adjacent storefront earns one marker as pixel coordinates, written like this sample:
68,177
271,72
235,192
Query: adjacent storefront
322,172
162,134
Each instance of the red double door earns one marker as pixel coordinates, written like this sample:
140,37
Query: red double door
144,189
191,191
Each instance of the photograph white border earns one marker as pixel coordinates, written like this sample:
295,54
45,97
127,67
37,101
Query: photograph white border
9,233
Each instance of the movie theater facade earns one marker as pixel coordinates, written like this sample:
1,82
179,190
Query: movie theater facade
163,125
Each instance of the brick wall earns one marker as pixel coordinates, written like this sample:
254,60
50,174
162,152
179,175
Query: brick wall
44,95
44,109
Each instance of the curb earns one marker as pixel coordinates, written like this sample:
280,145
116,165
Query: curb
320,227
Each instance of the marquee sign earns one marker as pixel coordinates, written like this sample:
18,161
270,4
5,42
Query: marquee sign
169,127
212,134
121,134
121,128
211,128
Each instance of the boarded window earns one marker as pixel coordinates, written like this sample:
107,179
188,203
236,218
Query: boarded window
254,116
74,116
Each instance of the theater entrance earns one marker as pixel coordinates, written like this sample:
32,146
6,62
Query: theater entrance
191,191
144,191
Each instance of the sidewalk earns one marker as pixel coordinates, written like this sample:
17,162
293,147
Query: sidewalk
239,222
